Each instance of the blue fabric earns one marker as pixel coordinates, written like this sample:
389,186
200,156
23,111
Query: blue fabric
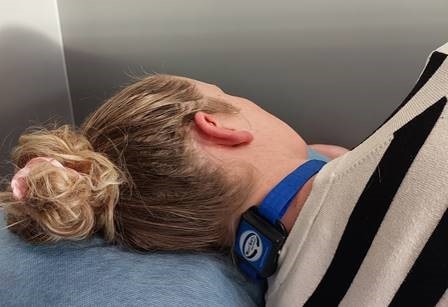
93,273
314,155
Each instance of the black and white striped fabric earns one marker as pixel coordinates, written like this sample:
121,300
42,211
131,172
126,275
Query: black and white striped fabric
374,230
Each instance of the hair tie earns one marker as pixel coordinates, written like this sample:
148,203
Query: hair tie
18,182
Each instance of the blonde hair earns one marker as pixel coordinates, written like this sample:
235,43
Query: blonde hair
143,183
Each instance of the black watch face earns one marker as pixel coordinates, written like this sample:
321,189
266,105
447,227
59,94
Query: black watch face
257,245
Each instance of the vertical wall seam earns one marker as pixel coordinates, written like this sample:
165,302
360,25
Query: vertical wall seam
64,63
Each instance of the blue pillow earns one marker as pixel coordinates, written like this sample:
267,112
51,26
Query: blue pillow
312,154
94,273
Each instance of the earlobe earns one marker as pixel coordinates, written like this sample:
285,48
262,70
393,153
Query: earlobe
209,127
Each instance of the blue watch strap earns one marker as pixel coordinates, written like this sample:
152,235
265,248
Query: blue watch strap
274,205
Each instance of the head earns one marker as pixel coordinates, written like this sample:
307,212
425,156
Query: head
168,163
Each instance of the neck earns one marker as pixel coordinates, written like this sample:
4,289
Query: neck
297,203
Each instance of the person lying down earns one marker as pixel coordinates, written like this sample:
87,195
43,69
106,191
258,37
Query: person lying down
175,164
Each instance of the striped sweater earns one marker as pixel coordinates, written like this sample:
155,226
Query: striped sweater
374,229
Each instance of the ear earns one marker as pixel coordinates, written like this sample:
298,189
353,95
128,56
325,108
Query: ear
209,127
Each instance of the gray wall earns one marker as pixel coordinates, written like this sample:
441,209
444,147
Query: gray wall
33,83
331,69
